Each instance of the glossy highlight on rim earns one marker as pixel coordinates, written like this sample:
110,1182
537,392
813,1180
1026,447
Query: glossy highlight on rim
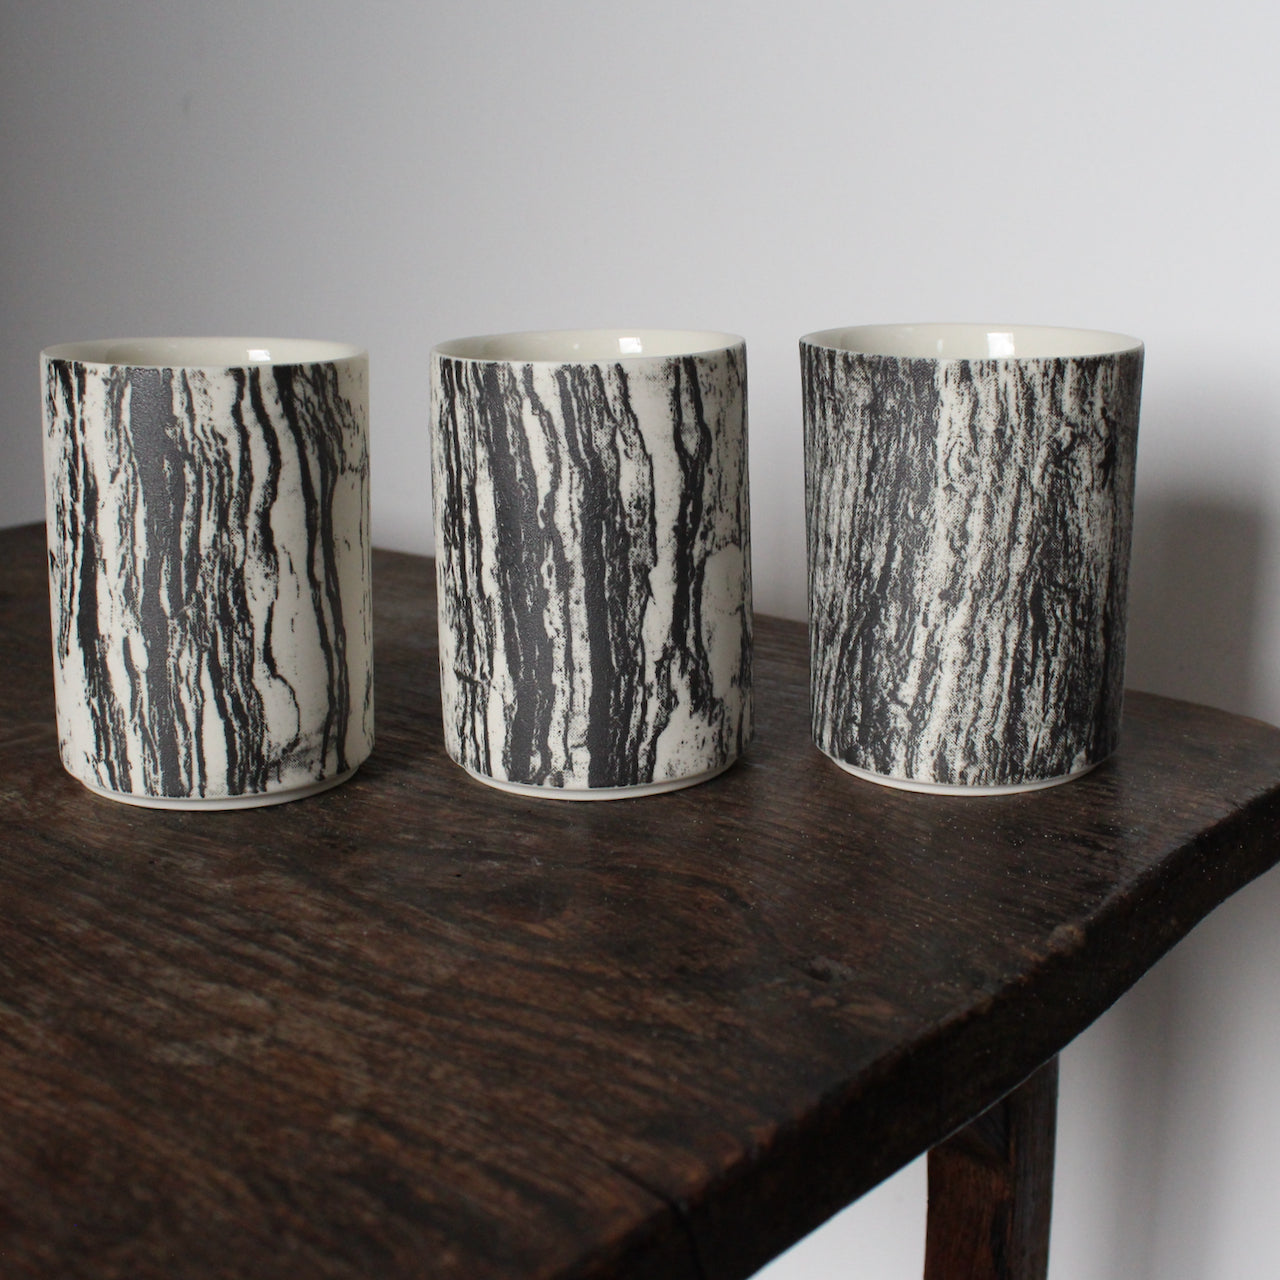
972,341
587,346
201,353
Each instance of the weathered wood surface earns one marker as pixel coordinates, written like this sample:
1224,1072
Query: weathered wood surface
414,1027
991,1189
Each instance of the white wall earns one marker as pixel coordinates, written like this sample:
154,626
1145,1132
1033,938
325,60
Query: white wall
396,173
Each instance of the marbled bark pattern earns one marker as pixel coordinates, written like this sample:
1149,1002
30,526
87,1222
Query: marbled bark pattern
969,525
209,551
594,567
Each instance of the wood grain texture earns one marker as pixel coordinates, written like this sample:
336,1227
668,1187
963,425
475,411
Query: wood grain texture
969,525
209,549
592,523
991,1189
414,1027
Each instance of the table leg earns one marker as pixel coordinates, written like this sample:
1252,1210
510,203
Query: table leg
991,1189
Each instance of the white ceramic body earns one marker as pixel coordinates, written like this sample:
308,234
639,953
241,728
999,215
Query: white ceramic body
969,493
593,558
208,524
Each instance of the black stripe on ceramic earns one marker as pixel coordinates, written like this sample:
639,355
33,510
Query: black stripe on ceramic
593,556
209,547
969,524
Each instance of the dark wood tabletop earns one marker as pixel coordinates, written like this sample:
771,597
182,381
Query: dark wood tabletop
414,1027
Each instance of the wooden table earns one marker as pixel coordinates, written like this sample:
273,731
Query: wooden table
415,1027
